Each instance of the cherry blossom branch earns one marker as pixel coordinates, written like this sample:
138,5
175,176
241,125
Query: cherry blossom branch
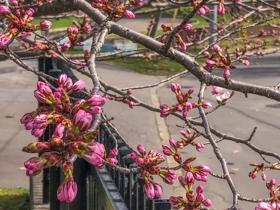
217,151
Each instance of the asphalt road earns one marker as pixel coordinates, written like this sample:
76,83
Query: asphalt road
139,126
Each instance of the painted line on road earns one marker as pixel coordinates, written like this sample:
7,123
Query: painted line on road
164,137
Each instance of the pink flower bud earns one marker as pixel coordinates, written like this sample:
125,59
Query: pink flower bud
165,110
158,190
30,12
199,146
206,54
67,191
188,106
34,166
133,155
83,120
4,10
139,161
95,110
113,153
45,25
78,86
59,130
207,202
5,40
175,87
206,104
199,189
188,27
95,154
221,9
131,104
141,149
189,178
200,197
226,73
129,91
166,150
129,14
210,64
96,100
150,191
216,48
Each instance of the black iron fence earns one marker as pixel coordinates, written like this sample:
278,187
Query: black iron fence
98,189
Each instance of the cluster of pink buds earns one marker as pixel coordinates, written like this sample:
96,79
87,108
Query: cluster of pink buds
72,135
148,162
183,104
199,172
274,204
191,201
222,60
116,9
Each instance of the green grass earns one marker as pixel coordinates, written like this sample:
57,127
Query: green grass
156,66
14,199
60,23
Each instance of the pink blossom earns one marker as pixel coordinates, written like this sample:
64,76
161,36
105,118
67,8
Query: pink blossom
95,154
158,190
65,82
4,10
95,110
168,176
150,190
200,197
66,45
221,9
83,120
167,150
210,64
129,14
175,87
216,48
131,104
165,110
96,100
5,40
207,202
226,73
34,166
67,191
188,106
59,130
30,12
141,149
199,146
78,86
188,27
206,104
206,54
45,25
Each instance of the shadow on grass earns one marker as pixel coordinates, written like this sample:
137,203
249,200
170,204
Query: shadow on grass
14,199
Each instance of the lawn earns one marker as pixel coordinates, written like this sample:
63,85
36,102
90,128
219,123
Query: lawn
60,23
14,199
156,66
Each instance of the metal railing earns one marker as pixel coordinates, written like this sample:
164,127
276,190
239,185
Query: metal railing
98,189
